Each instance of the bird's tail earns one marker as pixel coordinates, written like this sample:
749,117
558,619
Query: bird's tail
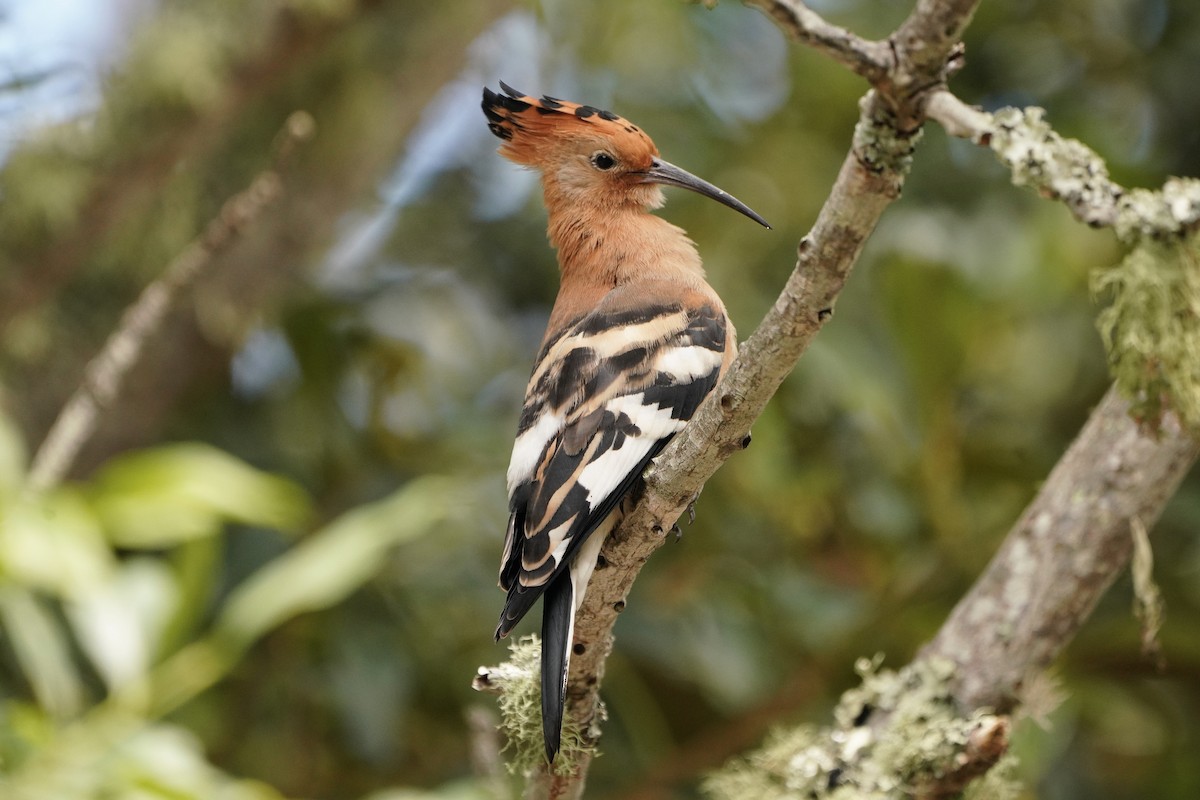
558,617
563,597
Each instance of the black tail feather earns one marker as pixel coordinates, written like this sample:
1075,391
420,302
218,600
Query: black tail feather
558,607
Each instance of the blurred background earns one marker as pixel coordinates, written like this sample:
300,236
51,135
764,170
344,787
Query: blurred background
272,571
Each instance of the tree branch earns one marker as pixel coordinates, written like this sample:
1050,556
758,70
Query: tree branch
1070,172
1062,554
871,60
105,374
930,35
1059,168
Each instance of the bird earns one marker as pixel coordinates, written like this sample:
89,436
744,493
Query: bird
635,341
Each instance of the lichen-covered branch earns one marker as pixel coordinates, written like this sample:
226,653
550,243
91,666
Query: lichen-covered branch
1063,553
1069,171
922,746
1058,168
1150,327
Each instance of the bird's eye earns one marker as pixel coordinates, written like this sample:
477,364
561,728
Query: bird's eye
603,160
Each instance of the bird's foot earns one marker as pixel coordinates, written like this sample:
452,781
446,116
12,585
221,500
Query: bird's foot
691,512
691,507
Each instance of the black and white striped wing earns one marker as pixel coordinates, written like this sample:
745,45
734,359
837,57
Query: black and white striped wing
605,397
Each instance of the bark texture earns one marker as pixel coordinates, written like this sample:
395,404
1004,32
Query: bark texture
1063,553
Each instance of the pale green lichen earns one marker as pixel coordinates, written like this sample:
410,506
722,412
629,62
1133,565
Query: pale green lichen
518,682
788,765
921,739
878,141
1060,168
999,783
1151,328
1172,212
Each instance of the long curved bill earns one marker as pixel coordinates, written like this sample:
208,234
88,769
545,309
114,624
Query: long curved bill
670,175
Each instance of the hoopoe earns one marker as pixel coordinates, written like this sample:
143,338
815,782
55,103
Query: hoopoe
635,342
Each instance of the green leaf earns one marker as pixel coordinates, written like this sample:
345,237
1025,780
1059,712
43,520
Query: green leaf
121,757
41,648
161,497
52,542
168,762
335,561
119,622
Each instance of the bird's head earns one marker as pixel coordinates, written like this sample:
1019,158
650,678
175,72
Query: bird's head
589,156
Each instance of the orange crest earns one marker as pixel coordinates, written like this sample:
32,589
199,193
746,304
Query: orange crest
532,127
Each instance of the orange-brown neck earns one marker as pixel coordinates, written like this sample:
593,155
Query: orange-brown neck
611,244
599,252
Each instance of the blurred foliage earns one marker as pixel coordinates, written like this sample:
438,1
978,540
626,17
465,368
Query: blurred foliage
253,587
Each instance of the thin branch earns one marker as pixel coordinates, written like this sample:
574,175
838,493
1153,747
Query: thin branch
871,60
958,118
1063,553
105,374
930,35
1070,172
1062,169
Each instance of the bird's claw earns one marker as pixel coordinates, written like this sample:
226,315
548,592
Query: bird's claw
691,508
